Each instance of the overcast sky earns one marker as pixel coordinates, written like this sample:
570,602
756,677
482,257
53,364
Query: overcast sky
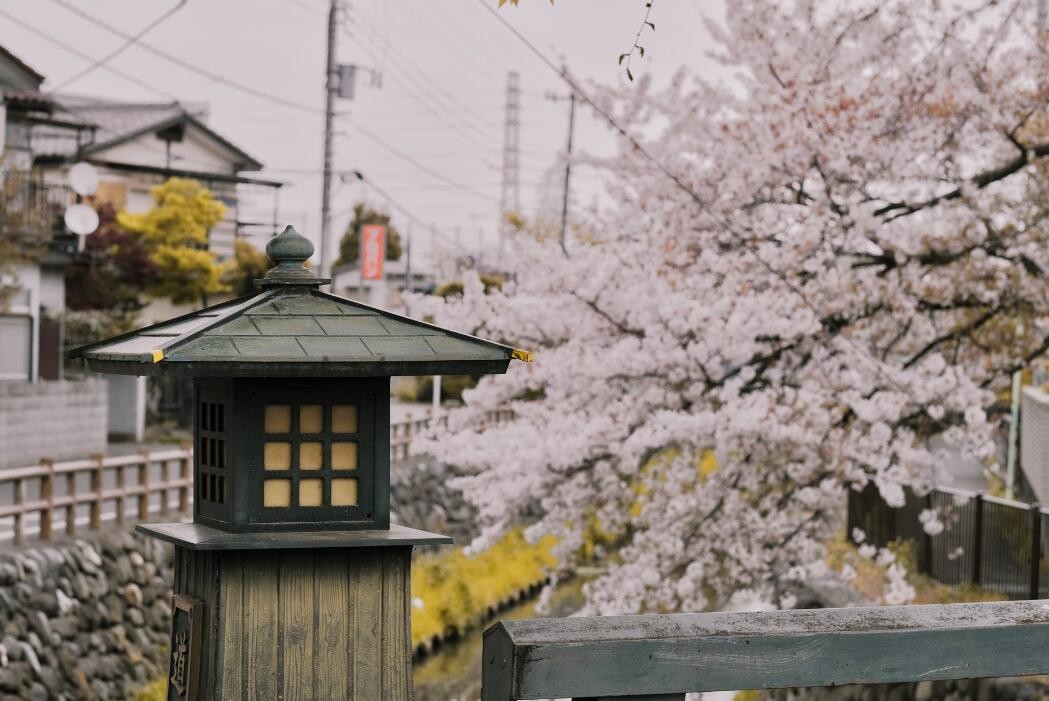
443,63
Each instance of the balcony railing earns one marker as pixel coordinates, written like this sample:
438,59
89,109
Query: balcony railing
31,210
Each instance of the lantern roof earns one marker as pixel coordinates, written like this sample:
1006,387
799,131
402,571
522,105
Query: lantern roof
292,329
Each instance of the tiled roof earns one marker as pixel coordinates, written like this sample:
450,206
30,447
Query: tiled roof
115,119
118,122
299,331
27,99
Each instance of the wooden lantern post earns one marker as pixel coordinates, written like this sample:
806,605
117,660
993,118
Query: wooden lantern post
290,583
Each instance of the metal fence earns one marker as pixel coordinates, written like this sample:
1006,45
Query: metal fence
85,493
996,544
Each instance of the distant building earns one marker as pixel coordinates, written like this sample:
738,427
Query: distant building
31,213
134,146
55,419
346,281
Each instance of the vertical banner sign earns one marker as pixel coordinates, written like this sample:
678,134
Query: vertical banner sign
373,251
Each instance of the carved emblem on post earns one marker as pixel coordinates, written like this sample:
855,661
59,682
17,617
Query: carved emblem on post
184,666
178,663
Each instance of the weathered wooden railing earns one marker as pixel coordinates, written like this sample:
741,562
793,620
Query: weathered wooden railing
97,483
665,656
106,486
402,432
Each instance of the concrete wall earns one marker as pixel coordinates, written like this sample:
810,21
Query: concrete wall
127,407
57,420
18,346
1034,441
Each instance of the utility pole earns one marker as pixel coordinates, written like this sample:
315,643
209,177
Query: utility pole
568,168
510,196
408,260
568,158
330,89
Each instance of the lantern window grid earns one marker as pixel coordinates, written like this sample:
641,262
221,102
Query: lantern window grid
211,452
310,450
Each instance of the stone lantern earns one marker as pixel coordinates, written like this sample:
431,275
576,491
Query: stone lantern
290,581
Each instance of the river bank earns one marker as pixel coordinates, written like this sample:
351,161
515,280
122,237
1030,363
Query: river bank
453,671
453,592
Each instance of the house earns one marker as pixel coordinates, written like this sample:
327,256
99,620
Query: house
31,221
54,419
134,147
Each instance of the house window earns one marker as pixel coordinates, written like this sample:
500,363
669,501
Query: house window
310,456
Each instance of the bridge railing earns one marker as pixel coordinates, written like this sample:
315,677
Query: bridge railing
665,656
86,493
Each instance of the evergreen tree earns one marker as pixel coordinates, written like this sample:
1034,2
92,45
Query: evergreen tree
350,245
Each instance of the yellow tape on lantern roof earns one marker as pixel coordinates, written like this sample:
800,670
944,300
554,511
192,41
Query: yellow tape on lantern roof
526,356
158,355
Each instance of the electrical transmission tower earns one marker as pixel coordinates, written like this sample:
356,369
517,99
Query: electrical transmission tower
510,197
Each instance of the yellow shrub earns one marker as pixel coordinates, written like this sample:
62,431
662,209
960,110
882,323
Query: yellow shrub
452,591
156,690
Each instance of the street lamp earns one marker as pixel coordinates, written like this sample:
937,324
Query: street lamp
291,577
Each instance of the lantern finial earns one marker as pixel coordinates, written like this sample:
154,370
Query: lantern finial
290,251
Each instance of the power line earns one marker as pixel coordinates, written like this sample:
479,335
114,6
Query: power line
126,76
412,73
80,54
400,207
86,118
426,169
262,95
475,39
571,83
171,58
471,61
120,49
307,6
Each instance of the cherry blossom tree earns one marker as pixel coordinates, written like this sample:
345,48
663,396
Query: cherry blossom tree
822,270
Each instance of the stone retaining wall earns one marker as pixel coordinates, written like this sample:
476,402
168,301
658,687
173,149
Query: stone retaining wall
84,621
421,497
